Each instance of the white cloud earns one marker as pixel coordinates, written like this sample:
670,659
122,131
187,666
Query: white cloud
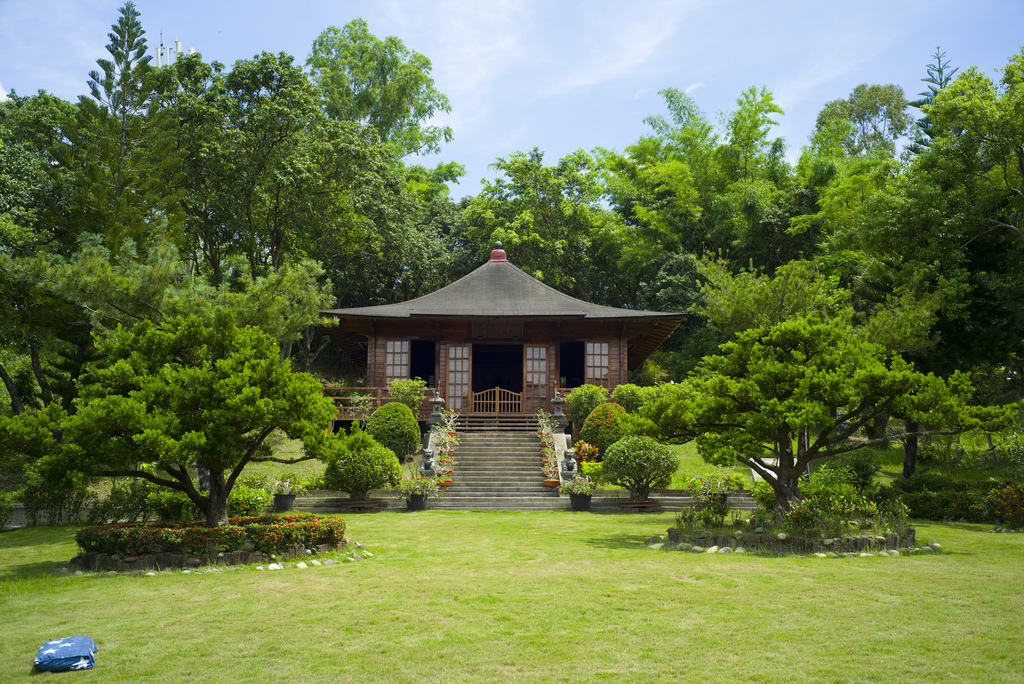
689,90
3,93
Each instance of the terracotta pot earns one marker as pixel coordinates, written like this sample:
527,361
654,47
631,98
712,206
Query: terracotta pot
551,483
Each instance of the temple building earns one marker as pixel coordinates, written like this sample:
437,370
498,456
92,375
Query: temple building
498,341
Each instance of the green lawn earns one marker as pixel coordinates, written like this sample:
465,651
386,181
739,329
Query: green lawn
532,597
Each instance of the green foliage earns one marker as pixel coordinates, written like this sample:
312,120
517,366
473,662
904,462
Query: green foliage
577,485
764,496
7,500
55,496
248,501
806,375
173,507
381,83
192,392
830,498
594,471
1007,505
395,427
603,426
862,467
632,397
582,400
423,486
639,464
408,392
128,502
358,464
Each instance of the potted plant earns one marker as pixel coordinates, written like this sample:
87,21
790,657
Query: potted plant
285,490
550,467
415,491
580,491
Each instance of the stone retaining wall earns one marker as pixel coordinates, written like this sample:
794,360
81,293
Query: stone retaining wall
774,543
97,562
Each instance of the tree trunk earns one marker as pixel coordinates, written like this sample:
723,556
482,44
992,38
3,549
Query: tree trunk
909,449
17,405
37,368
879,424
216,504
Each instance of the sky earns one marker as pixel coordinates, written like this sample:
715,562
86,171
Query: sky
556,74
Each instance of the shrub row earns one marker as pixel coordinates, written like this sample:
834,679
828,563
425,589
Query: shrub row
266,534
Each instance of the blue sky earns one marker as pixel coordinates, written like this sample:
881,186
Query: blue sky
556,74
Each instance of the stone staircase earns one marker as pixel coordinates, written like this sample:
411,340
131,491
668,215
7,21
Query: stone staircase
499,471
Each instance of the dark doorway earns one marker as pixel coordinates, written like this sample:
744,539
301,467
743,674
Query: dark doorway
571,364
498,365
422,359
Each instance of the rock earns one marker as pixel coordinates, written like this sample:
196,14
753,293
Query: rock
316,563
131,559
78,573
821,555
828,542
193,563
683,546
935,546
725,549
713,549
656,546
150,574
60,571
894,552
652,540
782,536
832,554
273,556
760,530
367,554
309,552
301,565
668,546
330,561
926,548
706,534
357,545
111,573
738,534
740,549
220,554
961,520
865,554
260,567
348,559
697,549
274,566
186,571
880,539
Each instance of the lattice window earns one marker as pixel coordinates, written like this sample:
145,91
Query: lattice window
597,363
536,365
396,361
458,376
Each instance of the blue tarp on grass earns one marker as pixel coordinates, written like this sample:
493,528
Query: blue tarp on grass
69,653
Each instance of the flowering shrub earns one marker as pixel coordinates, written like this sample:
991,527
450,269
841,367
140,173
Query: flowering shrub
585,452
603,427
577,485
1007,504
418,485
267,534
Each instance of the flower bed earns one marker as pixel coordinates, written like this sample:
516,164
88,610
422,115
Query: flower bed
265,534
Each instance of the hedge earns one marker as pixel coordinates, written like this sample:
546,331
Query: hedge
268,534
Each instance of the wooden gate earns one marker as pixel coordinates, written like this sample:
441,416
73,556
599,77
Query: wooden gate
496,400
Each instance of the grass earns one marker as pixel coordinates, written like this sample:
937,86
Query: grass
532,597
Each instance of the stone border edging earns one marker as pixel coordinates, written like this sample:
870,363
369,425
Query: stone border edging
93,560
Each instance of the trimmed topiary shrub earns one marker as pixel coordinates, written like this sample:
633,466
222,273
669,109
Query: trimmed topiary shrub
632,397
358,464
408,392
582,401
639,464
603,426
394,426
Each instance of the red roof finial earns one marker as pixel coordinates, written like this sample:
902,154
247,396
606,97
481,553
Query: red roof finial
498,254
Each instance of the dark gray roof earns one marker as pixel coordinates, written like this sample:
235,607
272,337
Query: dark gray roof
498,289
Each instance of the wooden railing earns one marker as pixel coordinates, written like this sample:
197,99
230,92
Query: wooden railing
350,402
496,400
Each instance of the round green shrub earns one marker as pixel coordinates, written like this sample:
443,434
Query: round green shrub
632,397
358,464
639,464
583,400
603,426
394,426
